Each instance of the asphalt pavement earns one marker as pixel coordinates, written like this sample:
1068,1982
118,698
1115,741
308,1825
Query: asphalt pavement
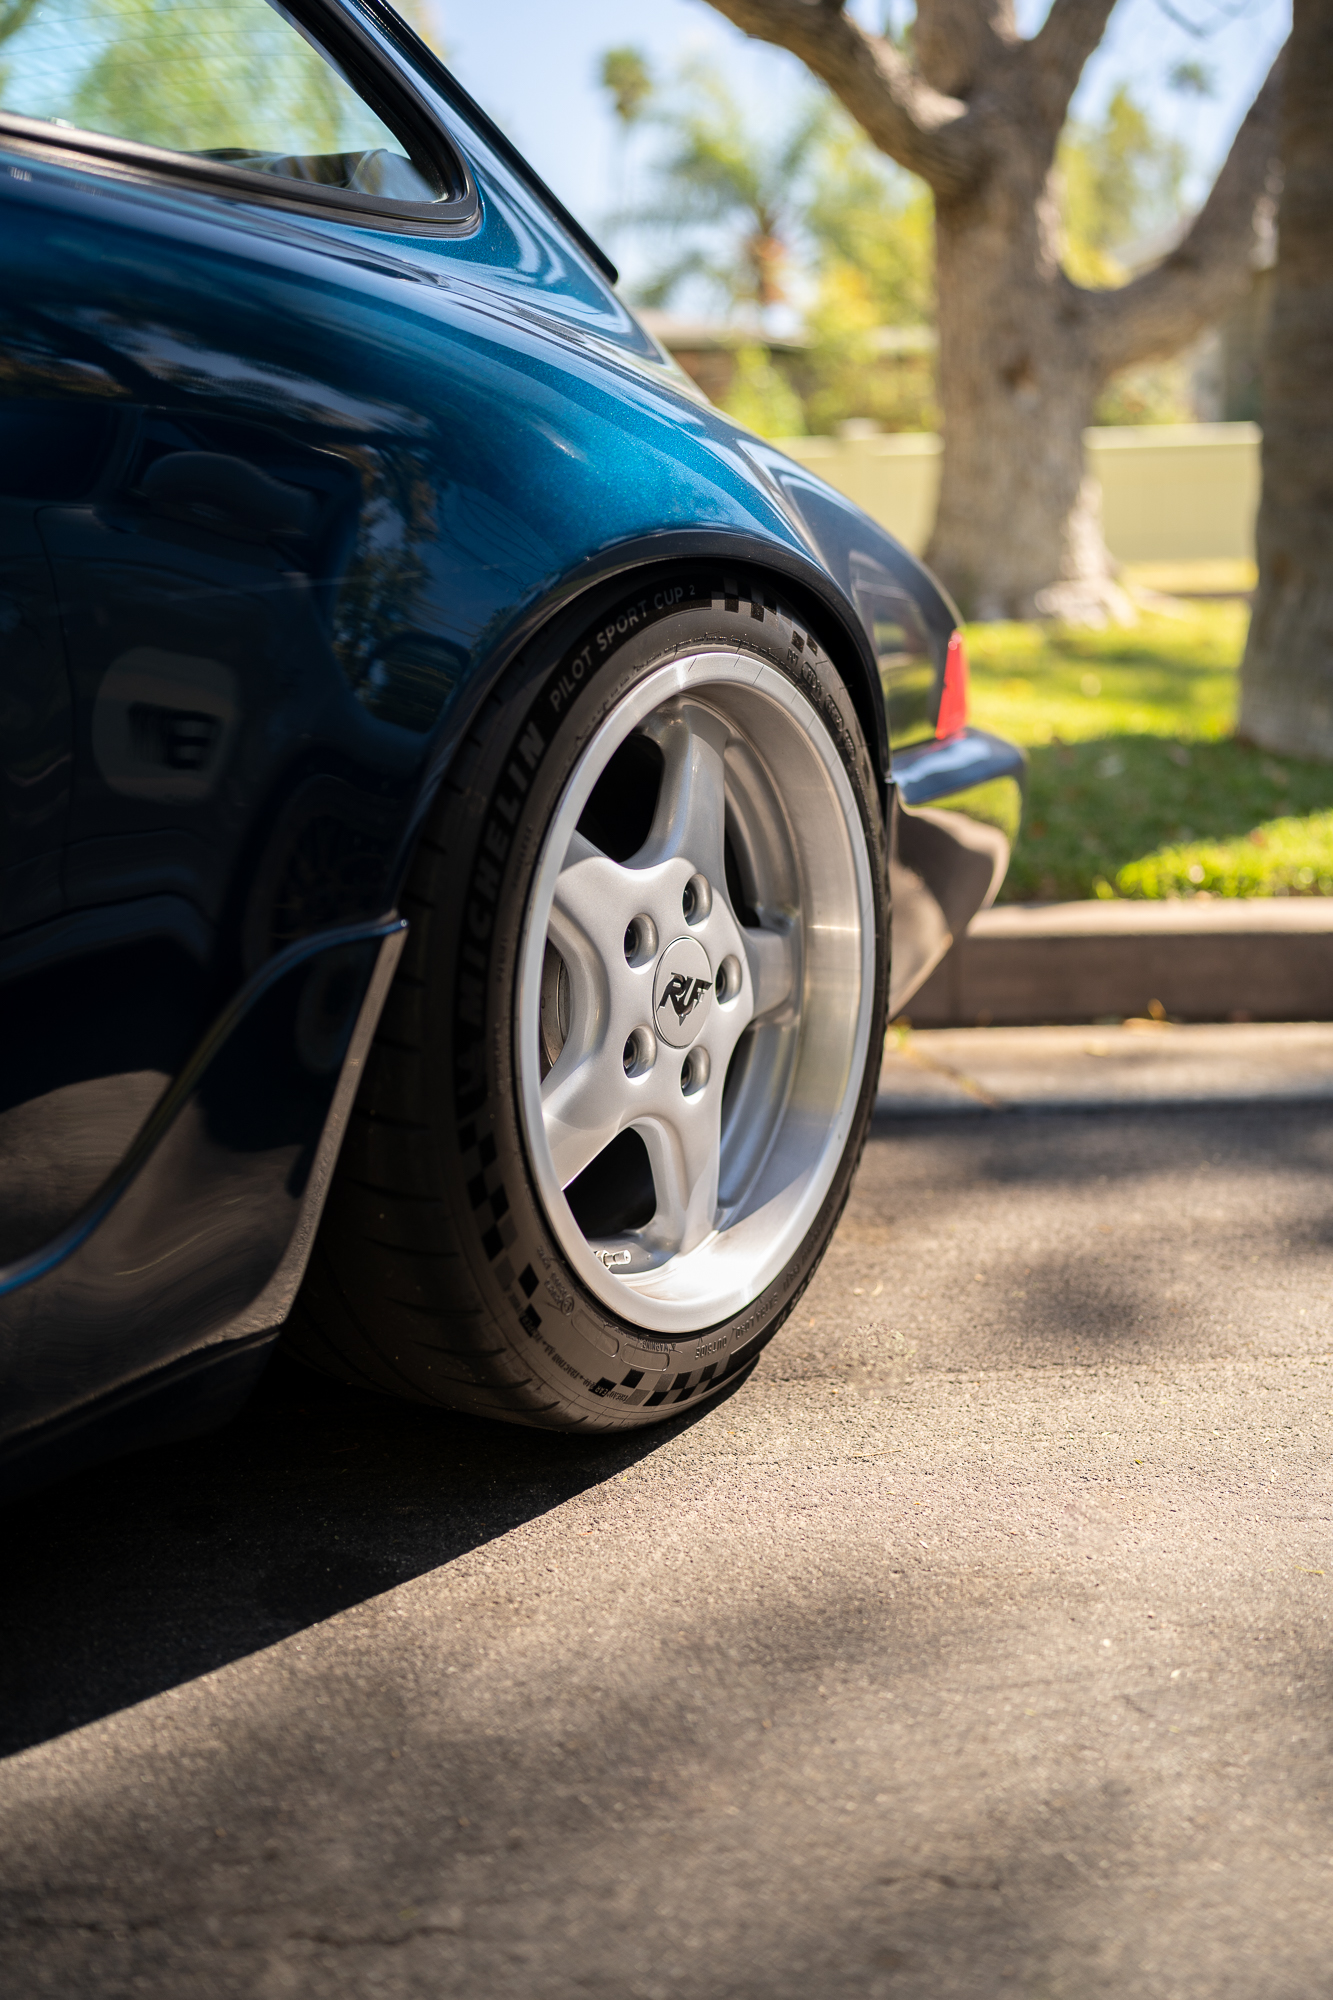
977,1644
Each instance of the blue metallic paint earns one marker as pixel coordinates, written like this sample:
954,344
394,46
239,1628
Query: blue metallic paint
931,771
281,496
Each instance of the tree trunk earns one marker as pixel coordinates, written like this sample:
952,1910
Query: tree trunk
1023,350
1287,673
1018,526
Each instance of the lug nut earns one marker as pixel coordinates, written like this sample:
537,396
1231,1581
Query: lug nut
697,900
640,1052
694,1071
728,982
640,941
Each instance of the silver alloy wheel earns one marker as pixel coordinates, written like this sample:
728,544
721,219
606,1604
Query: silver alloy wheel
735,1050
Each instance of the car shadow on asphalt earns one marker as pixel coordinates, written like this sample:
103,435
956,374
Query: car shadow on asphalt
136,1576
144,1573
1072,1240
1028,1145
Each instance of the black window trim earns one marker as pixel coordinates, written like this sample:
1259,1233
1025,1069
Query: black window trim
356,56
452,90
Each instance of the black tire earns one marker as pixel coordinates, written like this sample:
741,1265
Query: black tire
436,1274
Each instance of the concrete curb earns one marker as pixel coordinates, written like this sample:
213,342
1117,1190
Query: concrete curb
1251,959
1151,1066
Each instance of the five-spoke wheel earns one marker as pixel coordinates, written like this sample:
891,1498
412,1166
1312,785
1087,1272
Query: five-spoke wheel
695,989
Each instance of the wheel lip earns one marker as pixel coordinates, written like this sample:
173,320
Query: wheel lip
692,672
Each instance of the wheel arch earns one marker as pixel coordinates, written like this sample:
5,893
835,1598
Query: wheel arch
569,606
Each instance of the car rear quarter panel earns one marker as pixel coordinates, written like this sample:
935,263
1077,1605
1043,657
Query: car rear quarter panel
310,490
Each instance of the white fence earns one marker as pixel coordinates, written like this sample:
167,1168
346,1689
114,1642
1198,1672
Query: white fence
1170,492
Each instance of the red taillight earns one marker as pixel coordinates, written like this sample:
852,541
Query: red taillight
953,701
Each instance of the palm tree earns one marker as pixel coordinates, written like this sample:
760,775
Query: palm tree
626,74
740,197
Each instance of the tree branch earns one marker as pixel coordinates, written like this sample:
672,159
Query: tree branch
959,43
920,127
1055,56
1156,315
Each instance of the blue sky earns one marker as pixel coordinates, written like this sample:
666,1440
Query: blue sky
532,63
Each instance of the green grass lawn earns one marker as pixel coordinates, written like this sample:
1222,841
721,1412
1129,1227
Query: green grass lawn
1136,787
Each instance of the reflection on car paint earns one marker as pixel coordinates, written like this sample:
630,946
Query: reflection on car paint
35,728
141,1277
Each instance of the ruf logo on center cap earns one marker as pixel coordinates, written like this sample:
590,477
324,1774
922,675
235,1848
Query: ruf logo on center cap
682,992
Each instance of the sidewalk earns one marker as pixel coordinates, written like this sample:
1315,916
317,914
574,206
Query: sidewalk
1094,1069
1254,958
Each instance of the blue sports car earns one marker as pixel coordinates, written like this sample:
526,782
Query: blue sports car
455,782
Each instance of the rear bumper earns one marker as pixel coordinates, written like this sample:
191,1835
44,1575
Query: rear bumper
933,773
955,813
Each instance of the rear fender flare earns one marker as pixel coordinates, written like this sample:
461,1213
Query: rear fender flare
571,606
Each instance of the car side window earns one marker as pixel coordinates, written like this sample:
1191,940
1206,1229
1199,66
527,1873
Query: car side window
237,82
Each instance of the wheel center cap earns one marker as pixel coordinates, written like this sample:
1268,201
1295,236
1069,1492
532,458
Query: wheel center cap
682,992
